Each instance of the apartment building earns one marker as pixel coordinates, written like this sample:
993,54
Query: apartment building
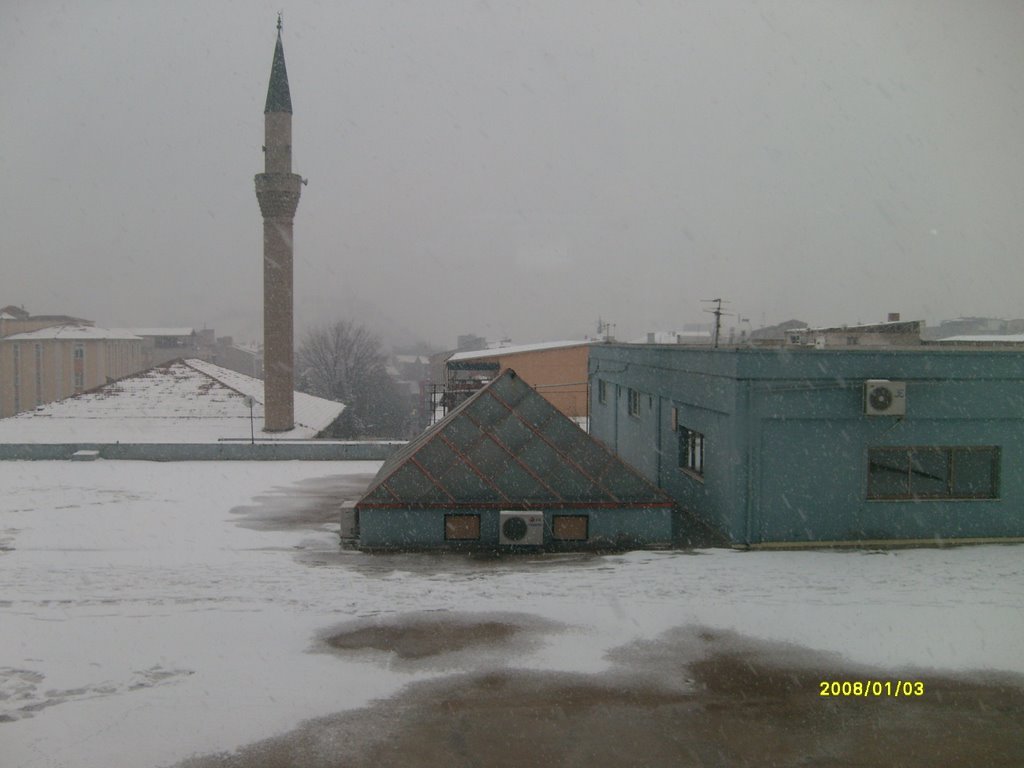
57,361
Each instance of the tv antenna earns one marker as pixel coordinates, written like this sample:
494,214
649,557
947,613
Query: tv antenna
718,313
605,328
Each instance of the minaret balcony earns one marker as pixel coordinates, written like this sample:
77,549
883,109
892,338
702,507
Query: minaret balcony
278,194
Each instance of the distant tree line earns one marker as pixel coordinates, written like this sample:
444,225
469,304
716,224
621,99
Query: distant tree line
346,363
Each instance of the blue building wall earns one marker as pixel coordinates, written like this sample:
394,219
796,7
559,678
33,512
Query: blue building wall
787,440
424,528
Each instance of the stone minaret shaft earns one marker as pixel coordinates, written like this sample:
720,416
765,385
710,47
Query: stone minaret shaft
277,190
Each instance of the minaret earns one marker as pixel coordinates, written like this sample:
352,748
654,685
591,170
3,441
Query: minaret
277,190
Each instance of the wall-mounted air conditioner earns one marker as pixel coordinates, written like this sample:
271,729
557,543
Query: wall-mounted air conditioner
885,398
523,529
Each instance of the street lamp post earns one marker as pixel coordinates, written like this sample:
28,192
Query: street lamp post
251,401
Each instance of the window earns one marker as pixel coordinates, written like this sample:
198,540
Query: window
691,450
78,356
170,342
461,527
16,351
602,391
633,402
933,473
569,527
39,374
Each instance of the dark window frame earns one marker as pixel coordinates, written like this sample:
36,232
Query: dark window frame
921,464
633,402
692,448
602,391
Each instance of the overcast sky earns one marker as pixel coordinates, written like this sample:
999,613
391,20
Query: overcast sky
517,168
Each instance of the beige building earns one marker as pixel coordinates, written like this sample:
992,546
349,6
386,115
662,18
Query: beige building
557,370
53,362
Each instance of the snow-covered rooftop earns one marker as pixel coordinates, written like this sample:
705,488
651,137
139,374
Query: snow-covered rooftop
889,325
146,618
987,338
413,359
180,402
673,337
74,332
162,331
517,349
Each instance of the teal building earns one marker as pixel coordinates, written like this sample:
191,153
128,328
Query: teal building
795,446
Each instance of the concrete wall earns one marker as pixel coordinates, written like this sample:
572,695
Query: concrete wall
424,529
706,402
228,451
787,439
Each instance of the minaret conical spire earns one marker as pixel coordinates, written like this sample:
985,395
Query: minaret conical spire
279,98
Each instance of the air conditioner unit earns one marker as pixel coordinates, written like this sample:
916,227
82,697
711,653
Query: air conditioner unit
885,398
523,529
349,528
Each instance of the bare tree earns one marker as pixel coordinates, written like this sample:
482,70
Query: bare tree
345,362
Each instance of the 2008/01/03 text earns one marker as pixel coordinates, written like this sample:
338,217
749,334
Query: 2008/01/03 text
866,688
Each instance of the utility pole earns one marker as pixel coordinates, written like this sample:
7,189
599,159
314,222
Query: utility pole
717,312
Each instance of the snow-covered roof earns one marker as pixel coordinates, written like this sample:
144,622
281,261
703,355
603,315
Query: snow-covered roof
311,412
162,331
517,349
987,338
910,326
179,402
74,332
673,337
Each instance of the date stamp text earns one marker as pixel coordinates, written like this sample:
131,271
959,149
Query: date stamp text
870,688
